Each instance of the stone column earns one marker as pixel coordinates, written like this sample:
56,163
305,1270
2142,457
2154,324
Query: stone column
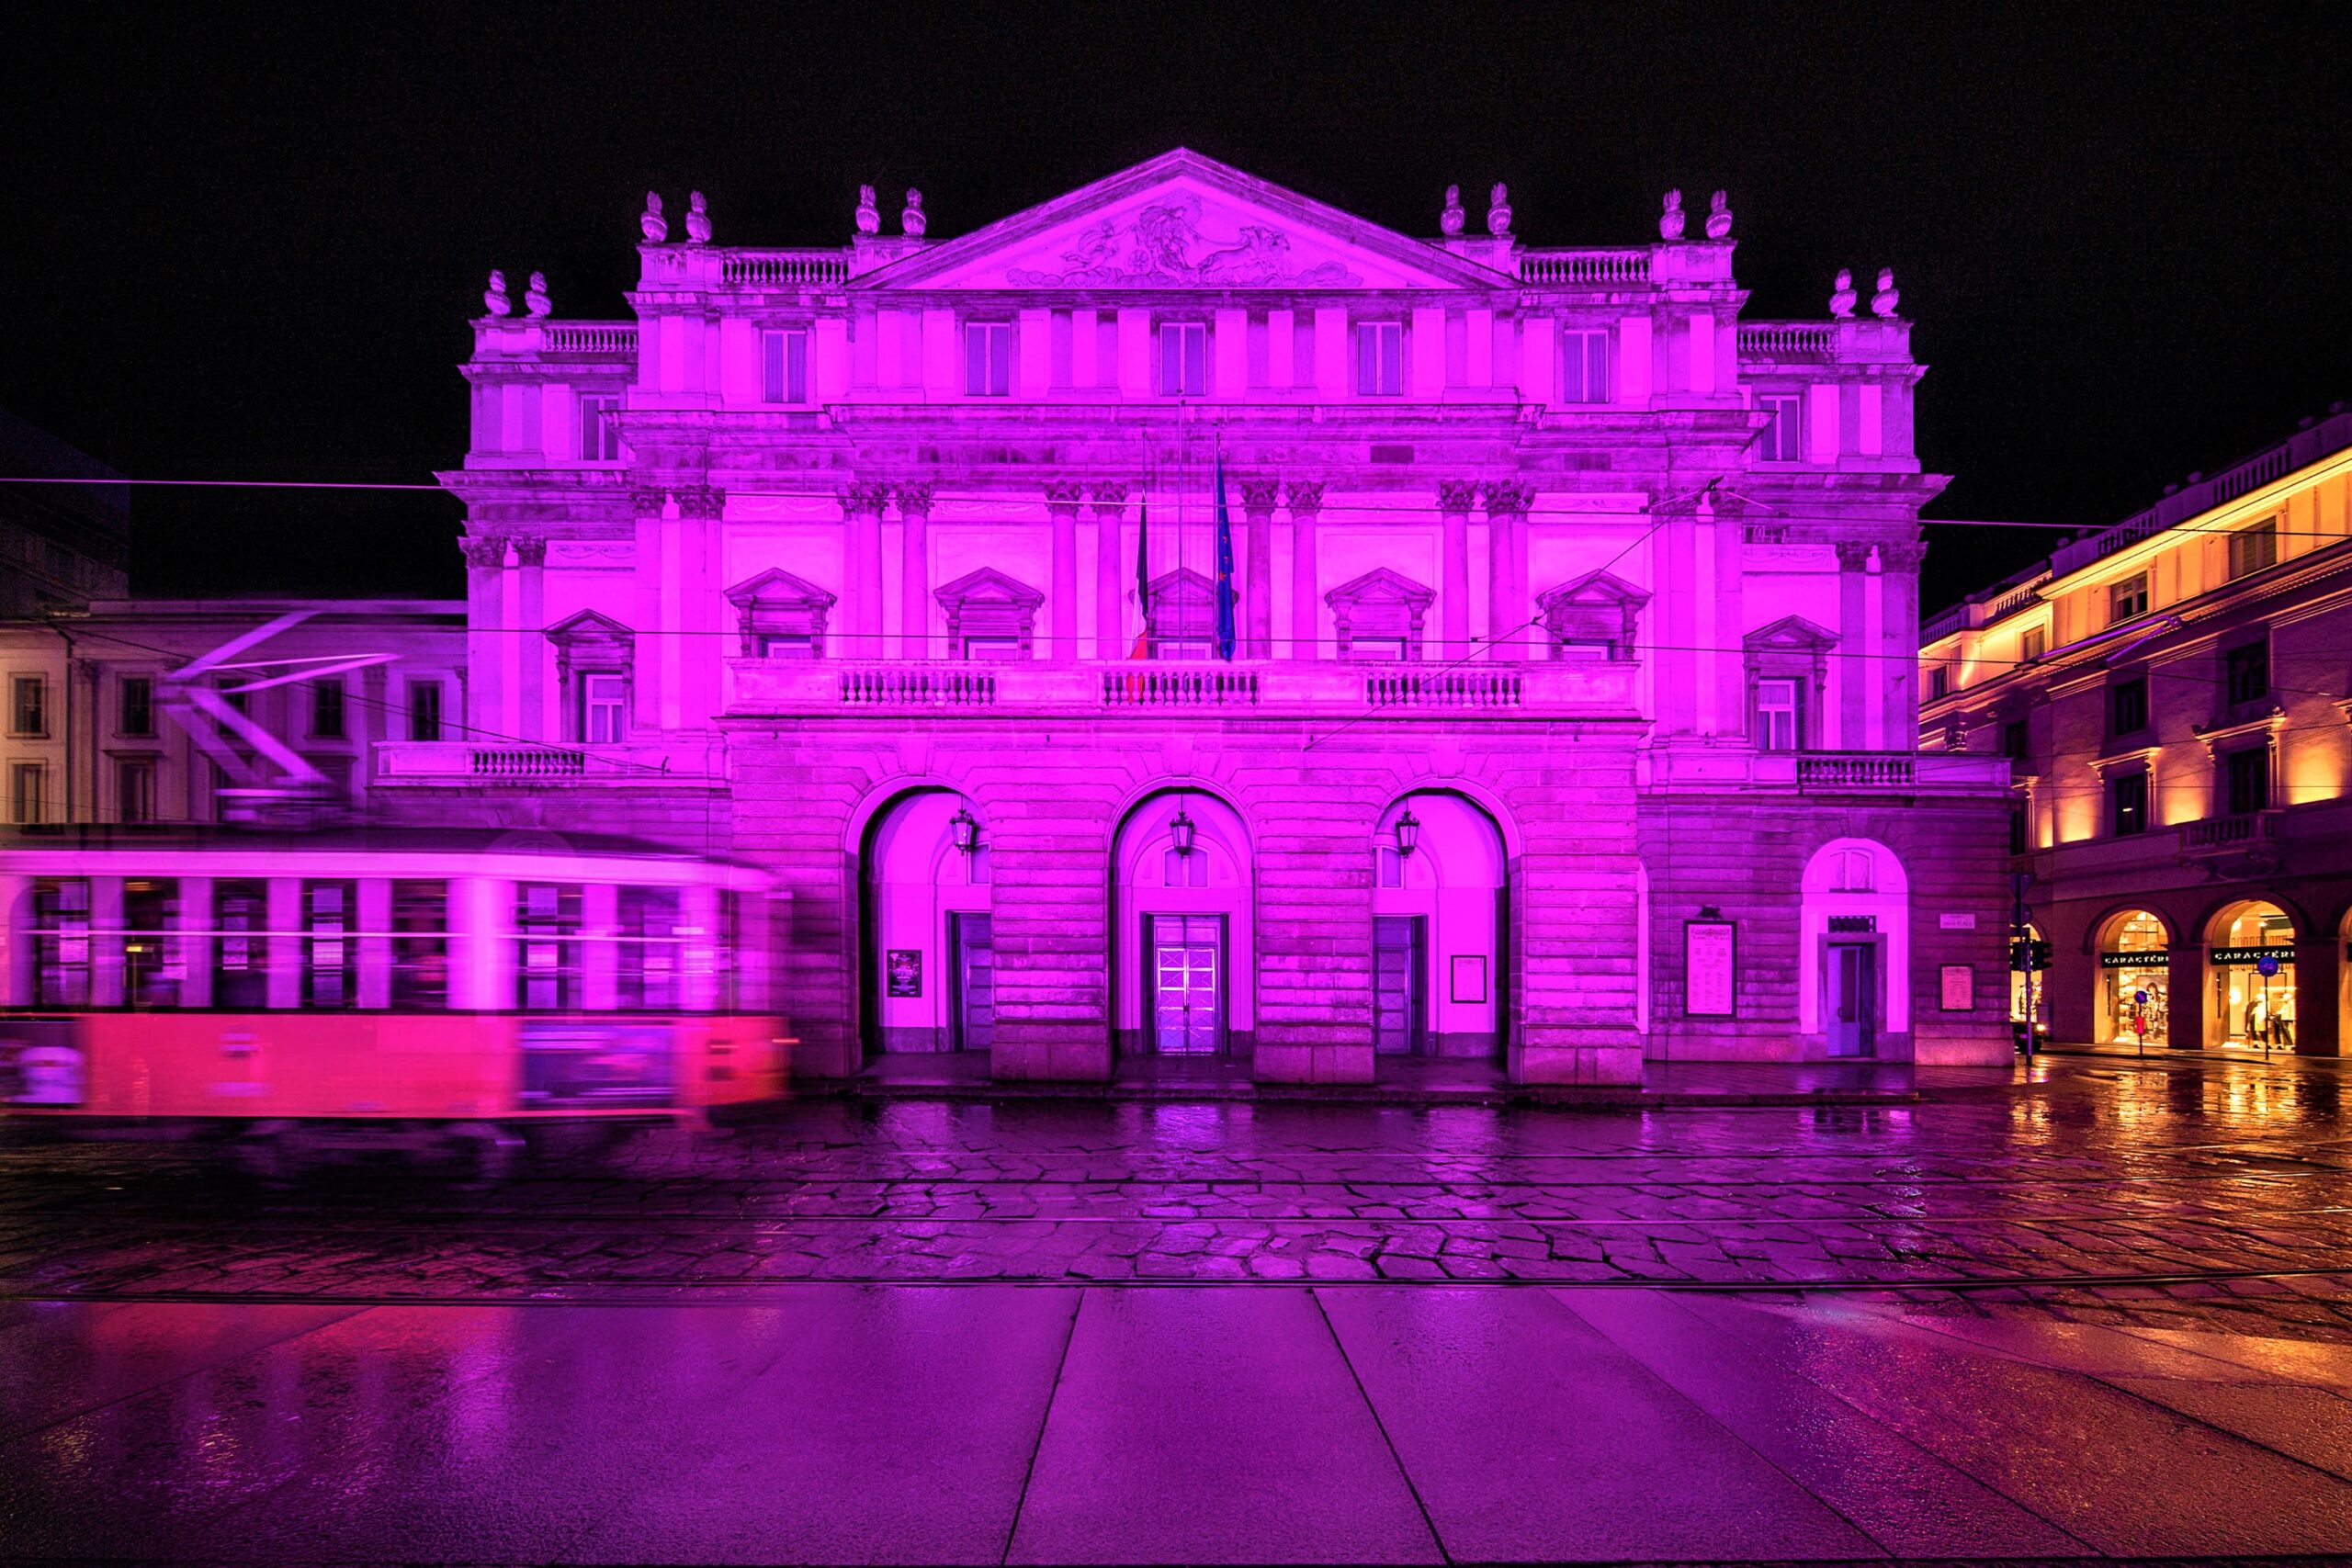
485,647
1898,588
1305,503
1505,569
1111,566
1258,498
1061,599
861,514
701,648
646,681
1453,501
914,572
530,637
1853,654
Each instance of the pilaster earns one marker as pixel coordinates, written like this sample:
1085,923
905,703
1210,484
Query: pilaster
485,651
862,506
1258,498
1899,587
1455,499
1306,501
1062,497
1507,607
914,571
1110,505
1853,647
530,635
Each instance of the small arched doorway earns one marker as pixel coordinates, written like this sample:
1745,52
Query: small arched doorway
2250,995
927,973
1440,879
1853,990
1182,943
2134,1003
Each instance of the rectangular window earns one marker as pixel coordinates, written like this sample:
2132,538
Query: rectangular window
1780,443
1939,683
1381,649
1380,358
2251,549
547,940
786,645
2013,740
1183,359
424,710
988,358
134,790
603,709
2017,833
240,946
1777,727
2246,673
2128,601
2248,780
2127,707
2126,795
29,706
419,945
651,949
1584,367
331,947
2032,645
62,943
152,954
783,366
240,700
27,787
136,715
326,709
993,649
600,428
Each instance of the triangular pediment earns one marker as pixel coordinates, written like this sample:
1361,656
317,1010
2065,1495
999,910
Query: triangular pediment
990,586
1791,633
1382,586
777,586
1183,221
588,625
1593,588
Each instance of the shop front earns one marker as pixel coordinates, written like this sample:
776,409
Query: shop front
2135,974
2251,963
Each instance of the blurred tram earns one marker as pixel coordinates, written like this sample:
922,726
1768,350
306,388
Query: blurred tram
375,987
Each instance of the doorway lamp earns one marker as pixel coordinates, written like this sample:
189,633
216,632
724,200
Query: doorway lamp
967,829
1179,828
1409,832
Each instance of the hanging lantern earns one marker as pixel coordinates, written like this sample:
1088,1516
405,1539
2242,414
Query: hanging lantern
967,829
1179,827
1409,832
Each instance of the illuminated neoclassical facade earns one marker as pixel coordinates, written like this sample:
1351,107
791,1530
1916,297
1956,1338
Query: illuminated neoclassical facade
1552,704
2173,694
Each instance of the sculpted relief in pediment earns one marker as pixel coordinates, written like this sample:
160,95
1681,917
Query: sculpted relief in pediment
1173,243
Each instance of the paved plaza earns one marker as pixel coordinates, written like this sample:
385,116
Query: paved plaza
2098,1310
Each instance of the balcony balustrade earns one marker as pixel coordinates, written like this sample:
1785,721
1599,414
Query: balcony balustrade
461,762
2226,835
1583,266
784,269
1735,767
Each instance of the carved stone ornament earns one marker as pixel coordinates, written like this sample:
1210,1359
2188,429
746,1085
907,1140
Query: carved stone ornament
864,498
535,299
1161,246
484,552
1509,498
655,226
700,500
1456,497
1499,212
1258,496
1062,496
1841,295
697,220
530,550
1110,497
1883,302
911,219
1305,498
494,299
1902,556
914,499
1671,221
1450,222
1853,555
648,502
869,216
1719,216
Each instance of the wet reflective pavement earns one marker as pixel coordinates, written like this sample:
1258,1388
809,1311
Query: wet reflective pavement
2102,1310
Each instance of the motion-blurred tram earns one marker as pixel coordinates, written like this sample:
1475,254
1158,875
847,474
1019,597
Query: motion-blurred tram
355,984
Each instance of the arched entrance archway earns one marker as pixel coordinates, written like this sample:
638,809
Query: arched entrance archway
927,961
2250,1002
2134,1002
1183,942
1853,982
1438,919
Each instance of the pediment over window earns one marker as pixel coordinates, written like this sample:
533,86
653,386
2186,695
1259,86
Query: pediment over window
590,640
1182,612
1598,614
1182,221
781,616
1790,634
990,615
1380,614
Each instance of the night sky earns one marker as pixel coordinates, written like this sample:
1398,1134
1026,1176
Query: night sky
247,247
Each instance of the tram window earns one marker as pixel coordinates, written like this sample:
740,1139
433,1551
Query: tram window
329,960
651,944
241,949
151,953
419,945
547,931
62,939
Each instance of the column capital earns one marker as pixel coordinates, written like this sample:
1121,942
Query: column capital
1062,497
1111,496
530,551
1456,497
1258,496
484,552
1904,556
1509,498
914,497
646,501
1853,555
863,499
1305,497
700,500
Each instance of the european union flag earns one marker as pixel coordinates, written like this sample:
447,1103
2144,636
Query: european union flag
1223,569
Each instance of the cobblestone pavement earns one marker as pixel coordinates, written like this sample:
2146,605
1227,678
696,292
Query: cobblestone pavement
2181,1193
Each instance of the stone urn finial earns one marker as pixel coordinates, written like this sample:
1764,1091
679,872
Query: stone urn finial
1719,216
535,299
697,220
1450,222
656,226
494,298
1883,302
912,221
1499,212
1841,295
869,216
1670,219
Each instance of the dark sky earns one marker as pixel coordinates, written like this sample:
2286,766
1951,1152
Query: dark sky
246,246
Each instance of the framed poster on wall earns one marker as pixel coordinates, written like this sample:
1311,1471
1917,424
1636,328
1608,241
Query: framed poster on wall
905,969
1469,977
1710,969
1959,988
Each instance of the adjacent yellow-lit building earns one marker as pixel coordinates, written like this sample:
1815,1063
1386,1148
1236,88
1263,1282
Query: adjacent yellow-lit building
2175,693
